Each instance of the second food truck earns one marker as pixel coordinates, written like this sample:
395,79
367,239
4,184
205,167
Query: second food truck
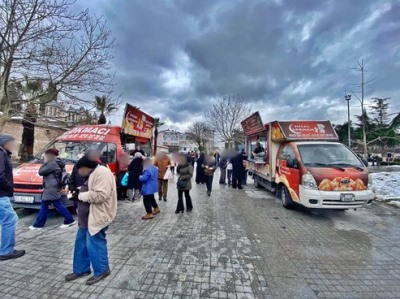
109,141
303,162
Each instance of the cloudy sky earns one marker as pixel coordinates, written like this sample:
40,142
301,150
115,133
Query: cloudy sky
289,59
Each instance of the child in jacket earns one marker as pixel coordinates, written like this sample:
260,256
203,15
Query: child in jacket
149,179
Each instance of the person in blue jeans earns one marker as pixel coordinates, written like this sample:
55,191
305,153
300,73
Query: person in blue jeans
96,209
8,217
51,171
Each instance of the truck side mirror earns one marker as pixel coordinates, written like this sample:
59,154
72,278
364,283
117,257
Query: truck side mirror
292,163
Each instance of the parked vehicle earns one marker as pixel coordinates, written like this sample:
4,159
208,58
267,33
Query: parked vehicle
303,163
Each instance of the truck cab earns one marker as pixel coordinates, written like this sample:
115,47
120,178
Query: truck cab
303,163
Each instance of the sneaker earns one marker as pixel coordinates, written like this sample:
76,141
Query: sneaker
68,225
35,228
178,212
156,211
95,279
165,199
209,193
148,217
189,210
14,255
160,198
73,276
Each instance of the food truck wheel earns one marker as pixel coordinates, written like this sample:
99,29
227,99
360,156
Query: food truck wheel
256,181
286,198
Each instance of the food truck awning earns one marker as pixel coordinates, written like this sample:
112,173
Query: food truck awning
303,130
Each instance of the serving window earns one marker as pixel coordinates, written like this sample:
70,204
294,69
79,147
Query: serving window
255,153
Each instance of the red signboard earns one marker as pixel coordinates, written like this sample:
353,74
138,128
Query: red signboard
307,130
137,123
88,133
253,124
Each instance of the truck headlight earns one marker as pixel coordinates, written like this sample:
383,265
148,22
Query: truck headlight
308,181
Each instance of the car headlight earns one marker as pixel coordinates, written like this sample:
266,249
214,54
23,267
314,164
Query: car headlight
370,183
308,181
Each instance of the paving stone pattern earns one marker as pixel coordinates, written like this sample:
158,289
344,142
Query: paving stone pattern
235,244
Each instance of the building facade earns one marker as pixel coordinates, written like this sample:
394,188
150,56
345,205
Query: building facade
175,141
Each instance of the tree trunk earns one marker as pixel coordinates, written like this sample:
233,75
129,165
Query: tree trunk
155,141
28,133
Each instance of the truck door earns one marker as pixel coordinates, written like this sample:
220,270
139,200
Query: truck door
288,170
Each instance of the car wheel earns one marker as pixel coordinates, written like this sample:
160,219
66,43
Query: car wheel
286,198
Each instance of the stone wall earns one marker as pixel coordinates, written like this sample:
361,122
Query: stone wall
43,134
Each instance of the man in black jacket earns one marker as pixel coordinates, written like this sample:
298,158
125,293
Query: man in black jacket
8,217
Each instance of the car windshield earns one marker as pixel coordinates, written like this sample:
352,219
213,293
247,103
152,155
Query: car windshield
72,151
328,155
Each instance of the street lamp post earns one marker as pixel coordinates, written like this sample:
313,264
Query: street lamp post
348,98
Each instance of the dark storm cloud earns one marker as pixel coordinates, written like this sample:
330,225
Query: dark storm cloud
289,59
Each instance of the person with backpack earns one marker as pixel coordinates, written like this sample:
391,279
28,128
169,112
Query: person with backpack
149,179
54,181
8,217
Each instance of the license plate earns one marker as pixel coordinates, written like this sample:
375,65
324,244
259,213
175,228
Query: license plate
24,199
346,197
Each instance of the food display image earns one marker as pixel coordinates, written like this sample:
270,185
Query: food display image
277,134
342,184
283,179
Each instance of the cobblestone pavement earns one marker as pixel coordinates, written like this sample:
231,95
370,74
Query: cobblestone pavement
235,244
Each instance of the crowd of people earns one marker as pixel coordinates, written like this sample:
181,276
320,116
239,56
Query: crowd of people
94,190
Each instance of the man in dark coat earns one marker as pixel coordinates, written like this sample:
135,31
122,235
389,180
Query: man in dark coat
200,177
238,171
135,170
8,217
51,171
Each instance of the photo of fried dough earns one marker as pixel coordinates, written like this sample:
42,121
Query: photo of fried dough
342,184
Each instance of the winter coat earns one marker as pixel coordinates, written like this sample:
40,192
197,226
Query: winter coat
200,177
238,170
75,180
6,174
149,178
223,163
135,170
102,196
162,167
185,173
51,173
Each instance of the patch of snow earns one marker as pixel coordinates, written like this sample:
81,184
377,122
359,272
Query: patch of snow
386,185
394,203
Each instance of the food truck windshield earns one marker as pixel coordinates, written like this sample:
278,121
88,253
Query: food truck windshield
327,155
72,151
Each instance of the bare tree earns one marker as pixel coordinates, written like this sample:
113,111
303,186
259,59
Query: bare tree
361,68
200,133
225,117
48,41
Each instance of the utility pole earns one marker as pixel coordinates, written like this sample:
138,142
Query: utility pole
348,98
361,68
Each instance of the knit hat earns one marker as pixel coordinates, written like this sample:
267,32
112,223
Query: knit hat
5,138
52,151
86,162
137,155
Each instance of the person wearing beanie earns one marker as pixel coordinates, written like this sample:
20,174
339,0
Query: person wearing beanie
52,173
97,208
8,217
